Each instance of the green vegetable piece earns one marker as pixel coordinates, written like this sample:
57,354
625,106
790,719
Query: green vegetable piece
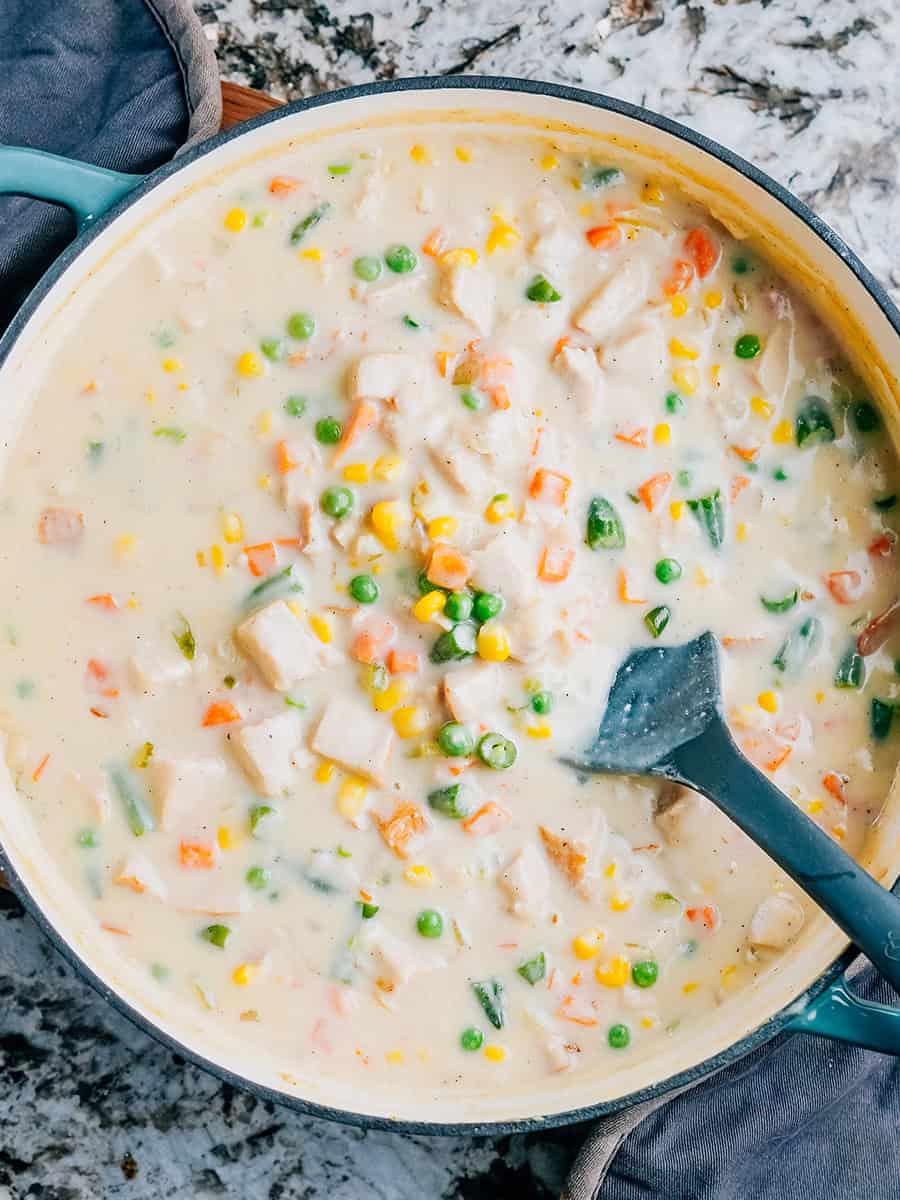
785,604
281,582
137,812
258,815
336,501
533,969
799,647
474,401
143,756
780,475
216,935
430,923
367,268
458,606
25,689
400,259
618,1036
340,168
885,503
668,570
850,672
455,644
292,703
740,265
471,1039
657,619
605,530
665,901
184,639
709,512
486,606
645,973
295,406
367,911
310,221
88,839
455,740
301,326
160,972
258,878
684,478
497,751
364,589
489,994
747,345
865,416
674,403
410,323
95,453
881,715
542,291
171,433
446,801
274,348
542,703
599,177
813,424
424,584
329,431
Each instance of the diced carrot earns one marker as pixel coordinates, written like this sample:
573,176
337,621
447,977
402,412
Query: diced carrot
638,437
604,237
679,278
703,250
576,1010
407,822
740,643
297,359
747,453
197,854
372,641
708,915
283,458
550,486
500,398
364,417
536,444
403,662
261,558
39,769
221,712
115,929
58,526
105,600
488,819
624,594
737,486
767,751
834,784
130,881
447,568
556,563
283,185
561,344
845,586
289,543
434,243
97,670
442,359
653,489
98,712
883,547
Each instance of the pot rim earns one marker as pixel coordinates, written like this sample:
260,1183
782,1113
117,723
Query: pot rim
479,83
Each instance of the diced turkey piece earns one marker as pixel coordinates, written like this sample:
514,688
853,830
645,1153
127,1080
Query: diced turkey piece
507,564
620,295
464,469
140,875
266,751
472,692
470,292
530,631
396,960
526,881
776,922
386,377
279,644
187,792
151,669
582,378
354,737
553,250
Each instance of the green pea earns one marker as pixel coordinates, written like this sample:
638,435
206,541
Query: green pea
542,703
486,606
668,570
367,268
471,1039
364,589
497,751
295,406
674,403
400,259
865,416
430,923
88,839
455,740
542,291
336,501
474,401
216,935
301,325
258,878
273,348
740,265
645,973
780,475
747,345
458,606
329,431
618,1036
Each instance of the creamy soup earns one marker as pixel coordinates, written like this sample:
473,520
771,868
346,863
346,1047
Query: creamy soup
321,545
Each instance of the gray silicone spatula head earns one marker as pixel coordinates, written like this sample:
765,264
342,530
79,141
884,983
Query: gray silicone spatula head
661,698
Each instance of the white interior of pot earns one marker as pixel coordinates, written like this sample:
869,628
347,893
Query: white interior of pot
839,297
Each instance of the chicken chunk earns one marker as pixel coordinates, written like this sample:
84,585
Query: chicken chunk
385,376
140,875
266,752
151,669
569,854
620,295
279,644
776,922
526,881
472,692
355,737
553,251
187,792
507,564
466,470
470,292
582,378
394,961
777,364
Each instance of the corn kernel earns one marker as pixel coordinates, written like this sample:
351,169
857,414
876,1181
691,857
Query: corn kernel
714,372
324,772
171,365
648,1022
418,875
494,1053
387,467
264,422
690,987
741,531
549,162
662,434
679,306
653,195
410,721
420,155
321,627
395,1057
391,696
585,210
702,578
610,870
540,730
244,974
815,806
502,237
235,220
712,299
820,697
587,945
429,605
150,396
296,608
248,365
442,528
387,520
761,407
133,603
232,528
124,545
767,701
687,379
500,509
265,482
313,254
183,387
782,432
226,837
465,256
614,973
727,974
839,832
676,510
217,558
620,902
463,153
200,556
679,350
351,797
493,642
357,472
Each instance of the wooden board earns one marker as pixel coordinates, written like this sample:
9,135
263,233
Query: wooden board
238,104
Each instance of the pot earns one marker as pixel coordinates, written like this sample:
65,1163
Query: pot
808,991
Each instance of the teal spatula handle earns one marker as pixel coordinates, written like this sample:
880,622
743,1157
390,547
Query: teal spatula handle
86,190
868,913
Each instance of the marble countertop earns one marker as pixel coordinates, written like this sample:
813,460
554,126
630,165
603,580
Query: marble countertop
92,1107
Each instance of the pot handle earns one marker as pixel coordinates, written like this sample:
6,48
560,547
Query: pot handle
87,191
841,1015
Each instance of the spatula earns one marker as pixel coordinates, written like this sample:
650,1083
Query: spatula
665,718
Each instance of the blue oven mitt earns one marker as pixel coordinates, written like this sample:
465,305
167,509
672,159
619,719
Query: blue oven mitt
120,83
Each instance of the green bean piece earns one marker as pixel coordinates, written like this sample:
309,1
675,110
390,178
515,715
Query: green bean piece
799,647
850,673
533,969
709,512
216,935
310,221
258,815
881,716
137,812
456,740
497,751
88,839
171,433
813,425
446,801
785,604
542,291
455,644
657,619
281,582
489,994
674,403
605,530
600,177
184,639
474,401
